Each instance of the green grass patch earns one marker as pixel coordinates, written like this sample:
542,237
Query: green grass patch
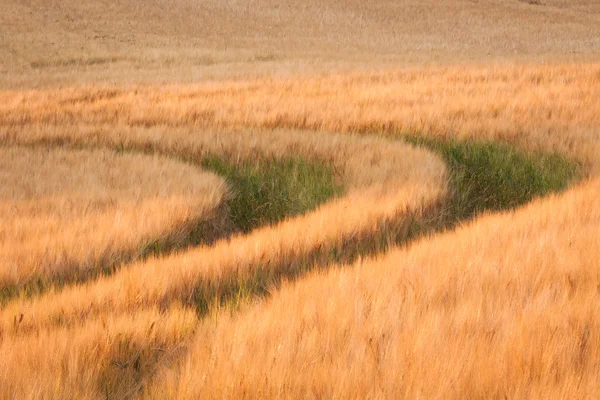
268,190
493,176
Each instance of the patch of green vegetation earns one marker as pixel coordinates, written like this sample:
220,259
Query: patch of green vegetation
493,176
267,190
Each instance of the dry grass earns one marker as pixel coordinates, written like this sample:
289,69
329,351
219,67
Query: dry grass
75,211
553,108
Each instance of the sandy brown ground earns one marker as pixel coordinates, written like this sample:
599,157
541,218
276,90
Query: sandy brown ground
46,43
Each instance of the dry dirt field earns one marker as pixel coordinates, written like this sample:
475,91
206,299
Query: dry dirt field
282,199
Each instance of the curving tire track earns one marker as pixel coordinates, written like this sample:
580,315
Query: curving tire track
389,185
399,183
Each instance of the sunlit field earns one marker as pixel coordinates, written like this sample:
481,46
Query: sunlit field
334,199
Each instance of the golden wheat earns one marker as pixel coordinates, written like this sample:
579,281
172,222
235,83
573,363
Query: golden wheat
553,108
502,307
68,211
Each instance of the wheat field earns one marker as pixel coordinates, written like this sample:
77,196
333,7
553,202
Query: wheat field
123,273
79,210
